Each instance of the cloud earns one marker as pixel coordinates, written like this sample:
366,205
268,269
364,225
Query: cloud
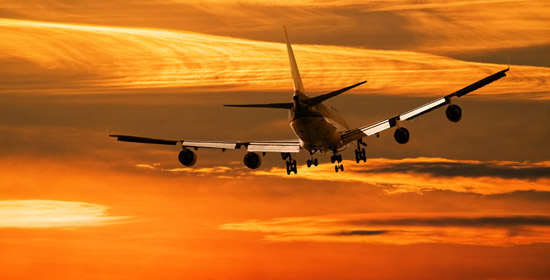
415,175
465,168
360,232
428,174
99,60
404,229
424,26
54,214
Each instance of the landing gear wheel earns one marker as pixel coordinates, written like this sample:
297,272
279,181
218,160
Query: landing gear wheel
315,162
288,168
291,165
309,163
336,158
360,155
339,167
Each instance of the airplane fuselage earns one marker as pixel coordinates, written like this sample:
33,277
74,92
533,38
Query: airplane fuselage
318,127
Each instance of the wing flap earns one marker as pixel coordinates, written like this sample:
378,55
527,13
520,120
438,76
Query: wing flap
423,109
252,146
277,147
224,145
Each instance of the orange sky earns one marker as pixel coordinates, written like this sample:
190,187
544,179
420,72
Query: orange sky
469,200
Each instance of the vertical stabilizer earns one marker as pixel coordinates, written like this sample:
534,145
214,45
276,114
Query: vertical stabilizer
298,87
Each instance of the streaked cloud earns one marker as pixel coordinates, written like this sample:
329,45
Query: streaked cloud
415,175
448,27
54,214
67,58
403,229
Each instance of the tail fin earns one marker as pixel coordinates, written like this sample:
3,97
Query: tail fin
298,87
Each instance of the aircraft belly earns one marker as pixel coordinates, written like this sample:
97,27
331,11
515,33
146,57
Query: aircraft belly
317,133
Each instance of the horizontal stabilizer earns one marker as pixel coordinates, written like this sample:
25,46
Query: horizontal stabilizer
269,105
318,99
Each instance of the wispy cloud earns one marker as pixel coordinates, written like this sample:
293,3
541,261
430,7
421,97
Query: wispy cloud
402,229
415,175
68,58
427,174
54,214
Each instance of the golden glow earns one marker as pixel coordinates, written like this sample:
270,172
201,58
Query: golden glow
70,196
94,59
379,172
53,214
404,229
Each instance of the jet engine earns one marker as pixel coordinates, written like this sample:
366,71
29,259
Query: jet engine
401,135
454,113
252,160
187,157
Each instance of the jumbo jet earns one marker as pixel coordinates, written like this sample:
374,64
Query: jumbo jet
318,127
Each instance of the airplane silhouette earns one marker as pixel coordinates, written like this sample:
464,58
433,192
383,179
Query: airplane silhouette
318,127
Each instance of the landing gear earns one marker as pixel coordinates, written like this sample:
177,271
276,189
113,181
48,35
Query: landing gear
360,154
312,161
337,159
291,165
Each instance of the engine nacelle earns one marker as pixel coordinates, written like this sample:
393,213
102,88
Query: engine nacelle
187,157
454,113
252,160
401,135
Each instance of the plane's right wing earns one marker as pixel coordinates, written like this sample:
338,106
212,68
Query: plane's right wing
377,127
292,146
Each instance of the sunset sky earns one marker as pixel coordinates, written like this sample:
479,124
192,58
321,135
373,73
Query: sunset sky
467,200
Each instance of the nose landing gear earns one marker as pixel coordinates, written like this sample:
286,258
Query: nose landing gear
312,161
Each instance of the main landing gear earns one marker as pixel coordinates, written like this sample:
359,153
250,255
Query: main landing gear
312,161
290,163
337,158
360,154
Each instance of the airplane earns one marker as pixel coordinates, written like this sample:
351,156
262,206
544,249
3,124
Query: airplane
318,126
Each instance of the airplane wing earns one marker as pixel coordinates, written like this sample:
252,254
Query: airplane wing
292,146
377,127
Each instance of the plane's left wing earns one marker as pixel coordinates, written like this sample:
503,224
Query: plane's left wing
377,127
292,146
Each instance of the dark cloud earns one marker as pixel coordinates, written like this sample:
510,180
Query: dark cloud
467,169
489,221
360,233
532,55
531,195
